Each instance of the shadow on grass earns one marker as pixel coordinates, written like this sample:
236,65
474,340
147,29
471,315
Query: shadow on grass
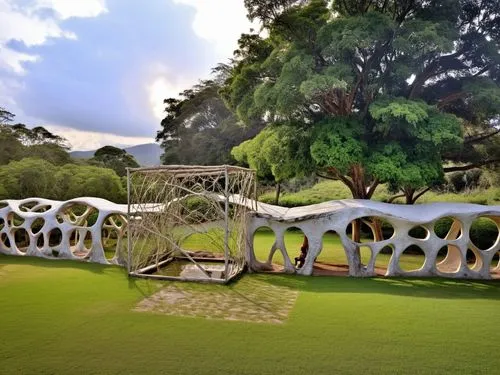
439,288
145,287
55,263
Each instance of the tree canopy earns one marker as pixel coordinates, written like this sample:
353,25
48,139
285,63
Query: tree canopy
31,177
199,129
36,163
18,141
377,91
114,158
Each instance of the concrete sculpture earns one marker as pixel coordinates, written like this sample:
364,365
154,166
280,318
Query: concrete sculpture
75,229
80,228
316,220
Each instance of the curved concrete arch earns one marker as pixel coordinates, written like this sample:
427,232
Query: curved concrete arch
59,215
317,219
314,221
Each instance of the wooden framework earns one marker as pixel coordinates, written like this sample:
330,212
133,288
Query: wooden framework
169,206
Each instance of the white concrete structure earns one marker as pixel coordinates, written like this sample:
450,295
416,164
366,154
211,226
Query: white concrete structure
80,228
75,229
316,220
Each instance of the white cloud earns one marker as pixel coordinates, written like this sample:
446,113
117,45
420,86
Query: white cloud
13,60
9,87
74,8
162,88
24,24
162,84
84,140
221,22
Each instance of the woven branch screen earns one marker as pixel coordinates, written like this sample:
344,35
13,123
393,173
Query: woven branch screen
188,222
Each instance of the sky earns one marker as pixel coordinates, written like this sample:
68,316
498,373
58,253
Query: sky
97,71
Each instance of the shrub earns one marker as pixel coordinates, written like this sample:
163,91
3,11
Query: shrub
31,177
442,226
461,181
483,233
27,178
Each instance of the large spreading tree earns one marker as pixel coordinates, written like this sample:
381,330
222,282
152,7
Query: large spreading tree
370,91
114,158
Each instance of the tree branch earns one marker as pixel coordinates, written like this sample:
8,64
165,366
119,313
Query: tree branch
337,176
394,197
480,137
485,69
385,5
327,177
372,188
431,70
347,181
420,194
470,166
450,98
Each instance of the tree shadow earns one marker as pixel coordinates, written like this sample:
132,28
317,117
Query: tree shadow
438,288
55,263
145,287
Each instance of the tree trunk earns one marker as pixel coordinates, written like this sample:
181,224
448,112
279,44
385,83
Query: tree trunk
411,195
356,230
278,192
361,188
305,242
377,230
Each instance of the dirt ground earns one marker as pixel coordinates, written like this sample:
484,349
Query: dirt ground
327,269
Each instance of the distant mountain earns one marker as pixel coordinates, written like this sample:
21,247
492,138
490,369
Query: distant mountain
82,154
146,155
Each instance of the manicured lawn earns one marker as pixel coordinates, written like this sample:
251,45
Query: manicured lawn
63,317
330,190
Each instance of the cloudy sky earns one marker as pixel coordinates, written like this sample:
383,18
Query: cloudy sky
97,71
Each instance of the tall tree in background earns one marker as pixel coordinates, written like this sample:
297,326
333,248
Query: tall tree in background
38,136
36,163
10,147
19,141
114,158
374,91
199,129
5,116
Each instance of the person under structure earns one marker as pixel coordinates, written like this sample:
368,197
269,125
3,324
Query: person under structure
300,260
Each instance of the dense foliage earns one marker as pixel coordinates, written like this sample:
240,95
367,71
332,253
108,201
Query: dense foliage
17,141
36,163
114,158
370,92
31,177
199,129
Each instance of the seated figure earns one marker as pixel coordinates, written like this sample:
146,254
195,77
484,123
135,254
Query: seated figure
300,260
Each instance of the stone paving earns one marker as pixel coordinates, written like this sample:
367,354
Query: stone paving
249,301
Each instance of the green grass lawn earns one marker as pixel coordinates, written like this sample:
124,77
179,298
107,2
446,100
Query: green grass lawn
331,190
64,317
